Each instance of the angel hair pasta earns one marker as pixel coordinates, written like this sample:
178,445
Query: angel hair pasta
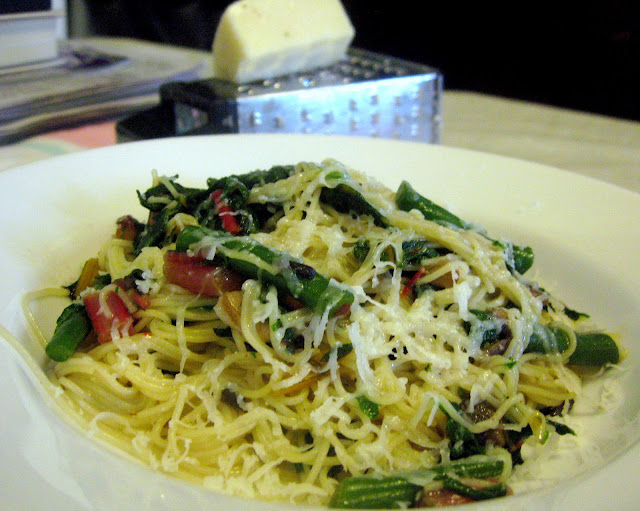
303,333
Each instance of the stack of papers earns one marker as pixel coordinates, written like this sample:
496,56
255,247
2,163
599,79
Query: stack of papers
96,78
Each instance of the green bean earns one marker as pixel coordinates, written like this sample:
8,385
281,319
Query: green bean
248,257
488,492
72,327
401,491
371,493
478,467
407,199
592,348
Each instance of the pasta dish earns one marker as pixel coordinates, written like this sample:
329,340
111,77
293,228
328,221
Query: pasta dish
305,334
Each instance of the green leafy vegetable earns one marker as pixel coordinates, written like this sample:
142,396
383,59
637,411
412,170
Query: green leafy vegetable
344,194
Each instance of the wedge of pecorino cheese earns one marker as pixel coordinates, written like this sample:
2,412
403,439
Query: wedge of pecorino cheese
262,39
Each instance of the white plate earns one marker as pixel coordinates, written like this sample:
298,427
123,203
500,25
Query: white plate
56,213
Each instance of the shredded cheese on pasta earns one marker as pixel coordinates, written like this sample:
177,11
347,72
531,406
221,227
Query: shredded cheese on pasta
241,413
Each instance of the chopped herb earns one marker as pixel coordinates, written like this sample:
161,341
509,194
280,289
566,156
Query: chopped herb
369,408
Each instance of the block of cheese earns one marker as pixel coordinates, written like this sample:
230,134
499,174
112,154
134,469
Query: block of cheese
261,39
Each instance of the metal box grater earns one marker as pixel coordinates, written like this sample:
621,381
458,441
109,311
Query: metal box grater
366,94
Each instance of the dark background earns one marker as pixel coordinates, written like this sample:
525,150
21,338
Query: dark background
582,56
13,6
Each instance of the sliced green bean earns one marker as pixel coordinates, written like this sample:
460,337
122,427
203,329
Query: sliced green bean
254,260
407,199
72,327
592,348
401,491
478,467
371,493
488,492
